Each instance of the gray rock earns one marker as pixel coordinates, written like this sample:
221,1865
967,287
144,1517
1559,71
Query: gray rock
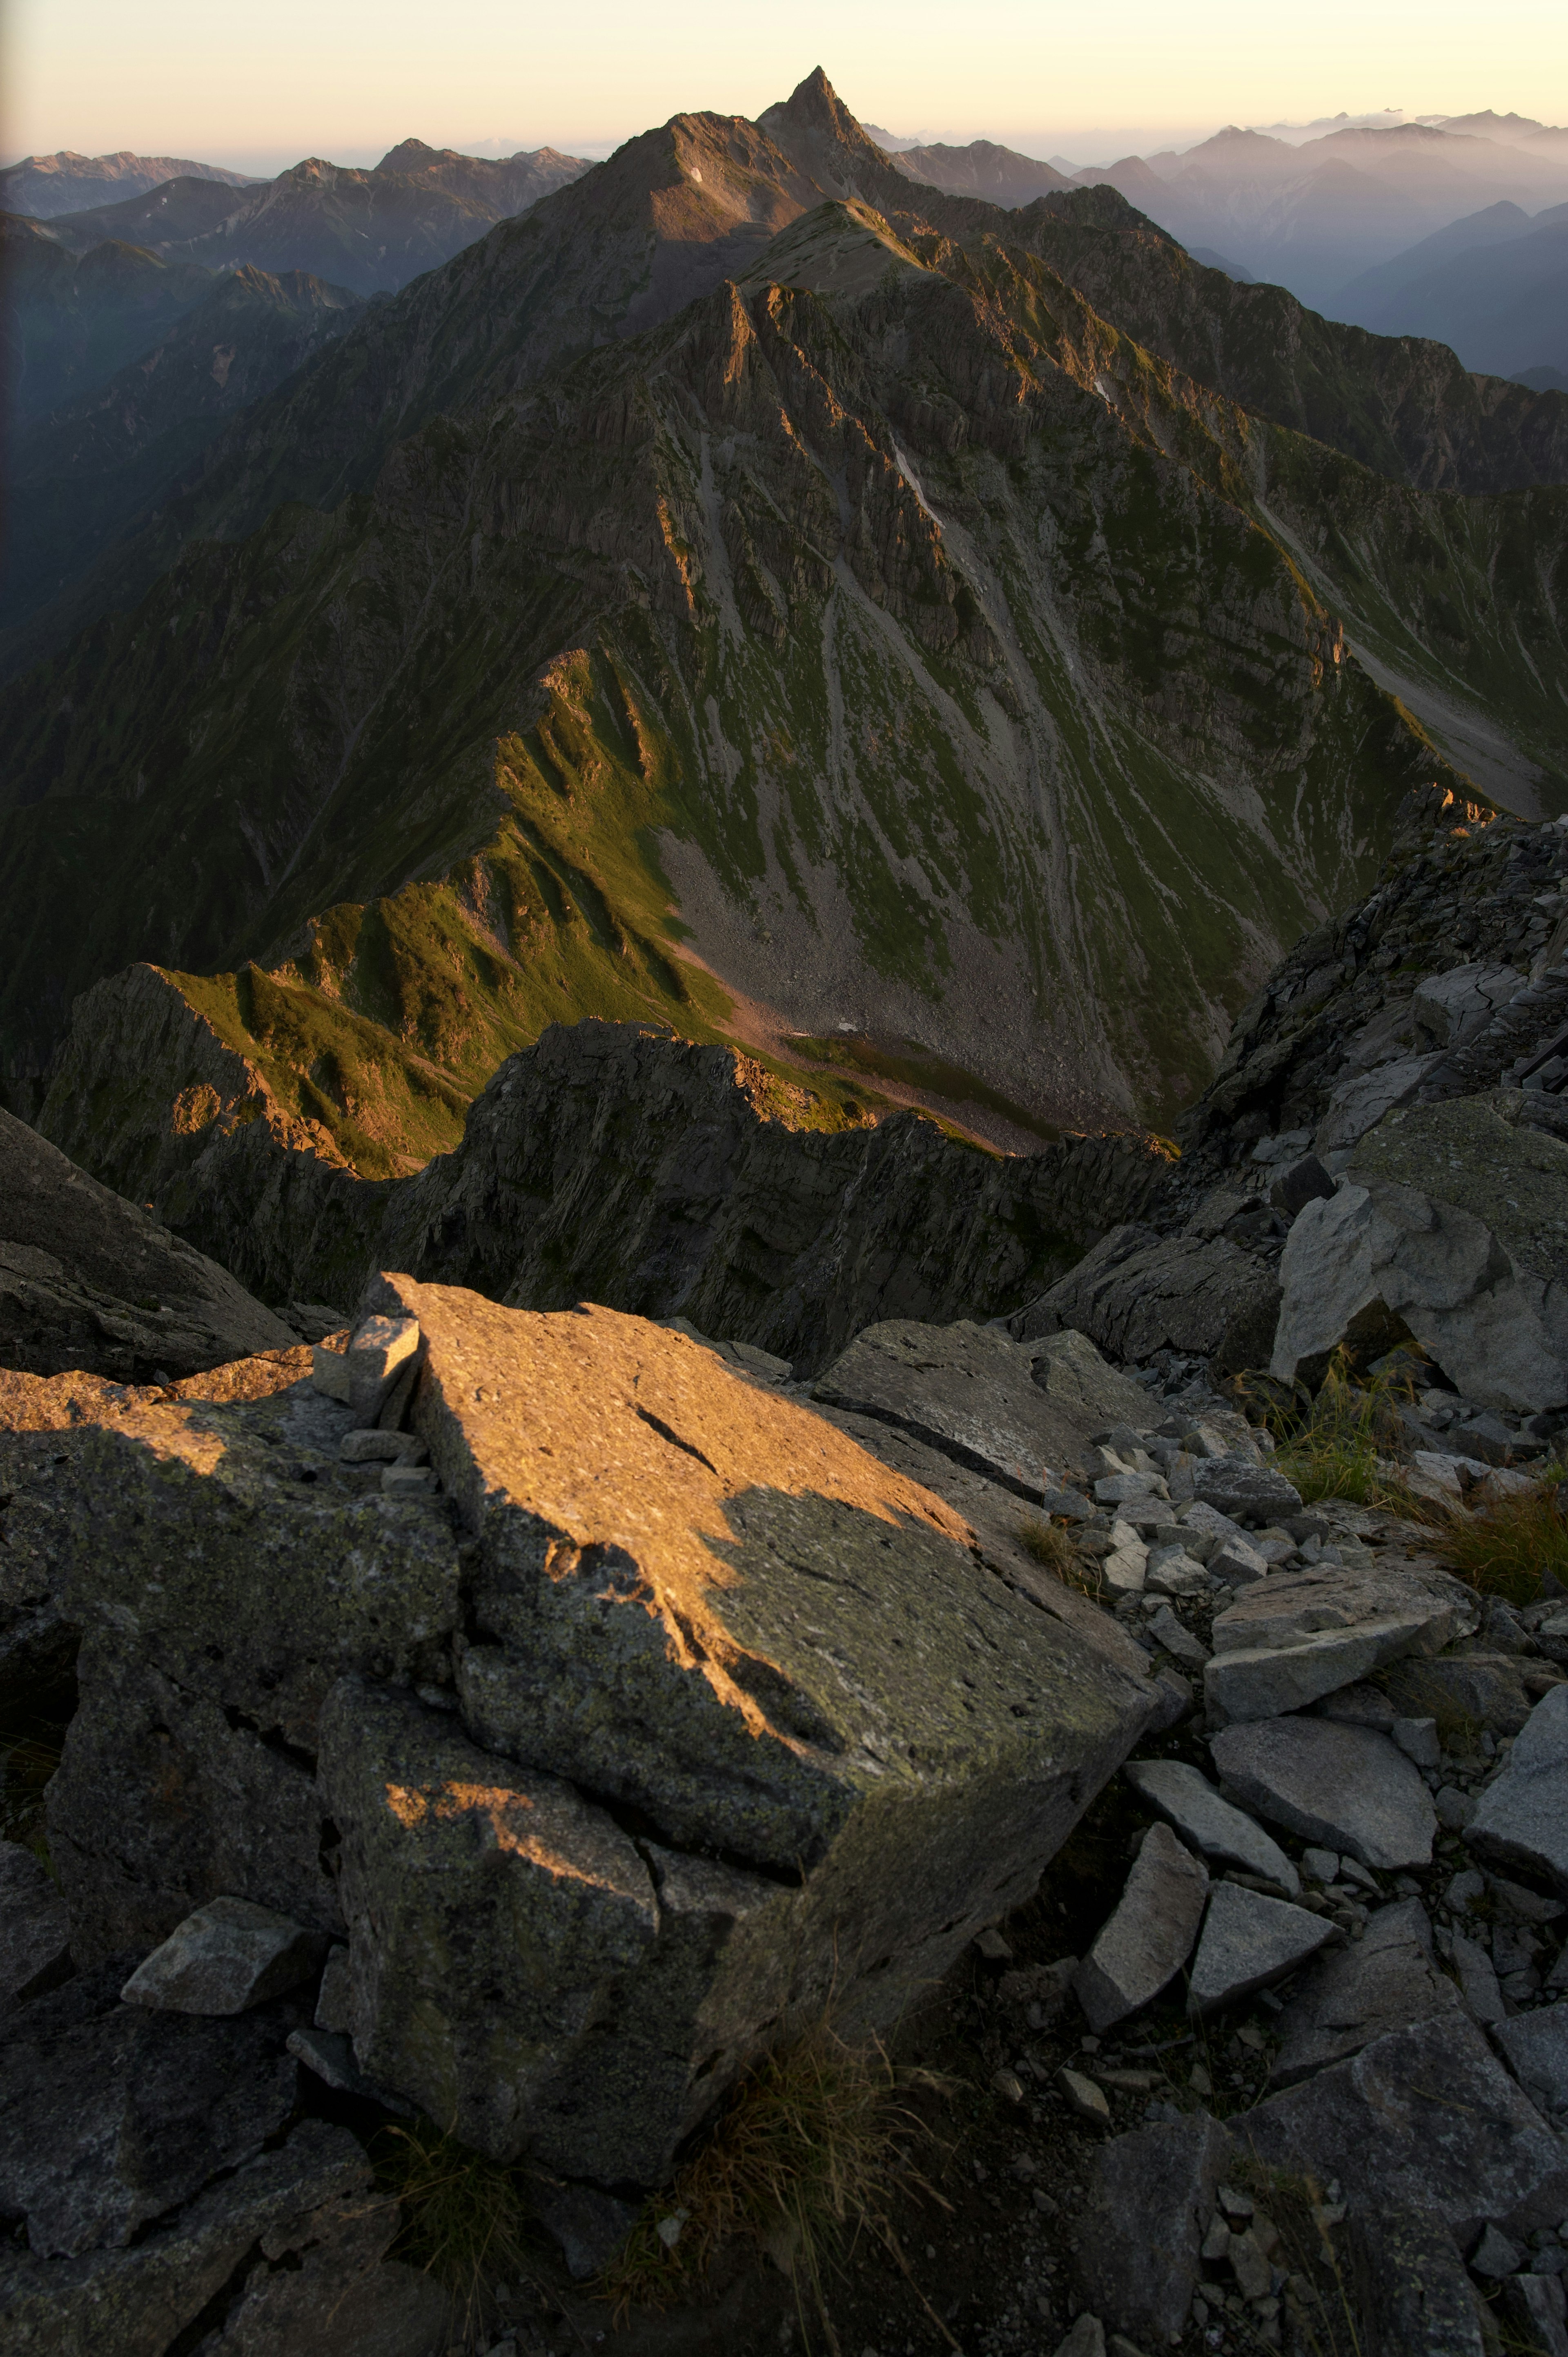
1305,1182
1522,1820
1411,2285
1485,1688
1359,1706
1084,2099
1150,2200
1087,2339
1248,1942
1341,1785
89,1282
1496,2257
381,1356
1208,1822
1424,2116
1135,1293
1171,1571
1477,1274
967,1390
589,2225
226,1957
1526,1906
287,2251
1417,1738
1385,1981
1247,1492
1320,1865
1356,1103
1455,1809
35,1932
1536,2307
375,1448
335,2000
1476,1977
1167,1630
330,2055
1140,1948
1070,1371
1536,2044
1295,1637
110,2120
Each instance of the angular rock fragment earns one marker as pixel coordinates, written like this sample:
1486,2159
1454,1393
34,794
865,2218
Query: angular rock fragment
967,1390
1150,2201
1411,2285
1424,2116
1472,1264
1536,2044
35,1931
1140,1948
1521,1822
1071,1372
1247,1492
1385,1981
1287,1642
380,1358
109,2119
1248,1941
1084,2098
1343,1785
1487,1687
1207,1821
1537,2307
1477,1976
226,1957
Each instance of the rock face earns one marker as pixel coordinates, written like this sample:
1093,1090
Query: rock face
1150,2205
672,1598
1451,1222
1136,1293
88,1282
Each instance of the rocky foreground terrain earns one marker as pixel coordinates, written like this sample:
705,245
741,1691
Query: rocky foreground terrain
1110,1651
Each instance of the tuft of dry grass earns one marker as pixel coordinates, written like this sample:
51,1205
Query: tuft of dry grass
1329,1443
811,2151
1507,1548
465,2220
1052,1544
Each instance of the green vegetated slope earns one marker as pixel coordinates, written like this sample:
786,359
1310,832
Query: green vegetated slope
925,619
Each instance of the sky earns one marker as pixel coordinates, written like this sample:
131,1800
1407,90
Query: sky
256,88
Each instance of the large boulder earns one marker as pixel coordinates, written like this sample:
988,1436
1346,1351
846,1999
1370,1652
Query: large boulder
1290,1639
1138,1292
89,1283
671,1717
1452,1225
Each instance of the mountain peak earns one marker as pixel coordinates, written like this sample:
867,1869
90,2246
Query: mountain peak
816,130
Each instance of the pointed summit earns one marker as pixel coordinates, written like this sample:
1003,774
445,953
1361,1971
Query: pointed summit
818,133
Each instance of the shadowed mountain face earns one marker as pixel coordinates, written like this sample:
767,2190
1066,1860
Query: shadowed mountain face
1494,286
69,324
44,186
982,169
371,232
82,472
758,592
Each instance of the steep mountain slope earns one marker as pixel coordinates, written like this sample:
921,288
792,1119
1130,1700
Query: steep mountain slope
78,474
916,637
371,230
67,325
44,186
1363,298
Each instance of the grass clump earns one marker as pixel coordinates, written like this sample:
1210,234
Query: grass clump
1507,1547
809,2154
1329,1443
1052,1545
465,2220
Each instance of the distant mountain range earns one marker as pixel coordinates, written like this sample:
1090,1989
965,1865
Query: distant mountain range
760,592
44,186
1493,284
1319,215
370,231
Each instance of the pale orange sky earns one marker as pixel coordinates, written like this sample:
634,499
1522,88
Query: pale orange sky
348,78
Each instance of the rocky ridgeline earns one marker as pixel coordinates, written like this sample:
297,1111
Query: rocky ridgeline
529,1715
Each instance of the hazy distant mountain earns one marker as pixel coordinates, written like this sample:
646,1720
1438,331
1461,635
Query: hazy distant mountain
1494,286
68,324
1543,380
1314,216
371,230
982,169
44,186
78,474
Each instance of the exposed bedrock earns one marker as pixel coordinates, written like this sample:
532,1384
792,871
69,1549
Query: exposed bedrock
654,1716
